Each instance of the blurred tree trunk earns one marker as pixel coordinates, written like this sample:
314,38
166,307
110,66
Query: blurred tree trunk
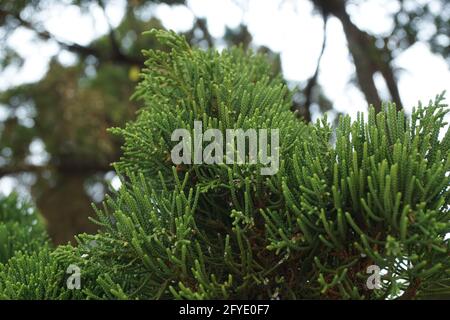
66,207
367,57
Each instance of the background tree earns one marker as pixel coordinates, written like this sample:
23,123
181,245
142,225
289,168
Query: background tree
374,53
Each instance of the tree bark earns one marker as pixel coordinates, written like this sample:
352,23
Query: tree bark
367,57
65,221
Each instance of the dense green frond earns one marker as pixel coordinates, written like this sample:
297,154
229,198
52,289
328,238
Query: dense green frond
33,276
21,228
377,195
374,193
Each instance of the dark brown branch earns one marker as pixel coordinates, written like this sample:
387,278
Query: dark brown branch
115,45
368,59
84,51
29,168
411,291
312,82
391,83
16,169
201,24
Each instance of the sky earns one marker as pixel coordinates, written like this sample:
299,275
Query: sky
288,27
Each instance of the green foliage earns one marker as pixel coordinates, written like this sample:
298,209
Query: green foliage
378,195
21,228
34,276
225,91
29,267
374,193
185,214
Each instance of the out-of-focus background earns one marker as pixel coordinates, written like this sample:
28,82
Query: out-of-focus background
68,67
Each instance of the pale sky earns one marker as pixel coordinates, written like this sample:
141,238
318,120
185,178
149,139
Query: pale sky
287,27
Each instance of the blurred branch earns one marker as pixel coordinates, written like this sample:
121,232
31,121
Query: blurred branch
22,168
117,51
313,80
411,291
201,24
368,59
84,51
